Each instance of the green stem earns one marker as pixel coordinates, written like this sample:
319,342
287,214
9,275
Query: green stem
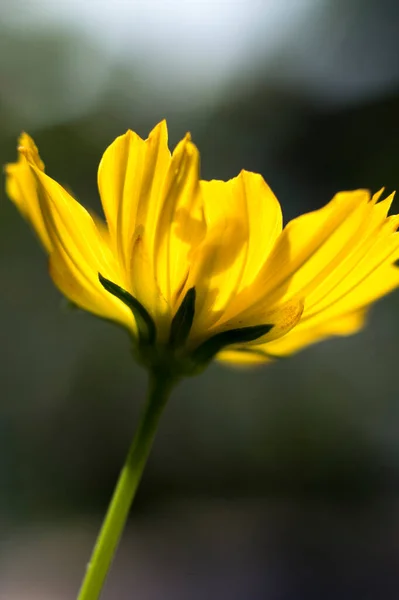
129,479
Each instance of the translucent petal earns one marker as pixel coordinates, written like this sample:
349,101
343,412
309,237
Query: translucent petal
378,283
309,333
149,200
295,340
356,261
79,252
282,318
21,186
318,251
169,233
347,265
309,244
180,224
243,220
344,317
243,357
130,179
370,258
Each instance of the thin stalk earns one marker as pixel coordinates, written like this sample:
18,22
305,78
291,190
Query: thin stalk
126,487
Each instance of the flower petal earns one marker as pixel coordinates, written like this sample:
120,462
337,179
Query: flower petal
296,339
359,269
243,357
349,268
344,317
309,333
21,186
148,198
309,244
243,220
79,252
281,319
180,224
370,257
130,178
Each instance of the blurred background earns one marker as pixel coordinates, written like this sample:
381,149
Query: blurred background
280,483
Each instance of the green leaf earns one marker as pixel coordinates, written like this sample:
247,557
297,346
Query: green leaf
183,320
145,324
211,347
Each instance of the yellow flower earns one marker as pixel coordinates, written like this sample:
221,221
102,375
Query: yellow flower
196,269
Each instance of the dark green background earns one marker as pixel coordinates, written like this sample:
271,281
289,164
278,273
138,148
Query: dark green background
280,483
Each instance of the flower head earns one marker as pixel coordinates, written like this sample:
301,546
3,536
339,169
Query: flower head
196,269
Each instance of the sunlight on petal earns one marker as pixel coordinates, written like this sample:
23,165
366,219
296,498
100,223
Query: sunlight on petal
170,236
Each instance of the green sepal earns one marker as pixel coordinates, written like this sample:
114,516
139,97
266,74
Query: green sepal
207,350
145,324
183,320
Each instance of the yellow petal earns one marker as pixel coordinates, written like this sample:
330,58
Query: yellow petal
308,333
215,271
359,269
21,186
352,281
309,243
375,285
79,252
149,202
283,319
167,232
321,251
344,317
243,219
343,265
180,224
296,339
244,357
130,179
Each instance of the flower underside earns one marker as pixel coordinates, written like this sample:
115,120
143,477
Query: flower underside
200,269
